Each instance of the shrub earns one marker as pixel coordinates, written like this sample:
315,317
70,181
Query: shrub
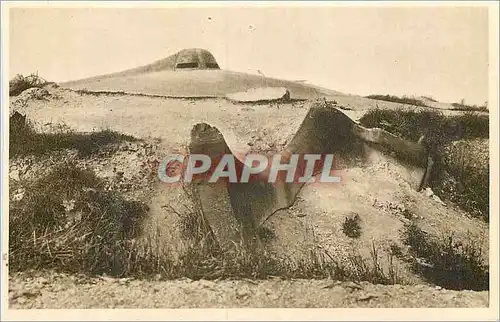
21,83
451,264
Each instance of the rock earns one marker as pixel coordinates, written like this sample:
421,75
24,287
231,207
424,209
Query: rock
243,292
366,297
261,94
43,280
429,192
33,93
14,175
18,194
69,205
352,285
332,285
437,199
206,284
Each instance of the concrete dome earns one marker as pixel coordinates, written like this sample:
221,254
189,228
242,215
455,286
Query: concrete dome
166,77
195,58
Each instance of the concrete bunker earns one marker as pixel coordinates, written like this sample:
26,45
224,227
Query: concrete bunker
195,58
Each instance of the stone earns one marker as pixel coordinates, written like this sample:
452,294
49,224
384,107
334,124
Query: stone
429,192
33,93
14,175
437,199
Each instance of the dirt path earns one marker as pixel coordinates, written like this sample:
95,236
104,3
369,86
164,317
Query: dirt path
56,291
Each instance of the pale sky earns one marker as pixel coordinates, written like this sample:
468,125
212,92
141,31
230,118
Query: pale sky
440,52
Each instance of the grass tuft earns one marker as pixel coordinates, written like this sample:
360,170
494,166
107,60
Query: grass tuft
352,226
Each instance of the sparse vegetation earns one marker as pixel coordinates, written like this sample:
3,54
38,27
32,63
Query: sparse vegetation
402,100
24,140
21,83
446,262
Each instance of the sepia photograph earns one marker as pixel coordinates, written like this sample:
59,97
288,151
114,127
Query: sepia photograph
250,155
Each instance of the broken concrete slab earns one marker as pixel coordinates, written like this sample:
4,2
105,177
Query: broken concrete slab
260,94
236,209
213,199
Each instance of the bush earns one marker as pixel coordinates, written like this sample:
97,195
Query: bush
21,83
447,263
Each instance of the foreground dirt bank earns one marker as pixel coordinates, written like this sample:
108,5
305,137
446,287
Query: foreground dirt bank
60,291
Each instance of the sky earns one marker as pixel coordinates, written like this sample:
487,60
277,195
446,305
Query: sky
438,52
